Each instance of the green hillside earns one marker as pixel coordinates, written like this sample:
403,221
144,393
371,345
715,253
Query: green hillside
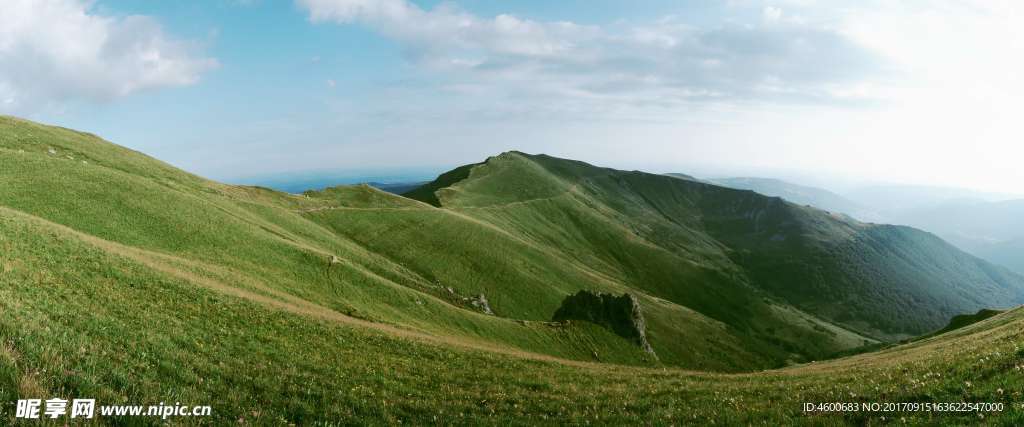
120,330
127,280
722,252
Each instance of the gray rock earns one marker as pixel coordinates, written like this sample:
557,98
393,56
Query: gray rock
620,314
480,302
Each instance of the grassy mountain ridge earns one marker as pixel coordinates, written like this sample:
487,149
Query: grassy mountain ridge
892,282
132,282
590,220
271,240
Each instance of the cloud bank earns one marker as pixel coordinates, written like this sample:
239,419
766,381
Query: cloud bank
668,61
57,51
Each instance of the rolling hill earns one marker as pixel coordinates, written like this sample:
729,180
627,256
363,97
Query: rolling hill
130,281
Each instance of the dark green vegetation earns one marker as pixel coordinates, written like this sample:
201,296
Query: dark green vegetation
127,280
988,226
963,320
621,314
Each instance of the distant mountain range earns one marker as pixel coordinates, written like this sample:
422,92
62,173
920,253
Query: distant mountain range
397,187
802,195
991,230
395,181
894,200
988,225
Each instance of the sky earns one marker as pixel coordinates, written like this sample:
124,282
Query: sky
920,92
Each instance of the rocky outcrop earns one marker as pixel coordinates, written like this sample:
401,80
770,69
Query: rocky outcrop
480,302
620,314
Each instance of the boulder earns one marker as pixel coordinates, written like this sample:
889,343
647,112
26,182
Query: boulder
620,314
480,302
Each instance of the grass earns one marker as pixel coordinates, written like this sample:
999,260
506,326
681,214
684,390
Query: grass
78,321
124,279
262,238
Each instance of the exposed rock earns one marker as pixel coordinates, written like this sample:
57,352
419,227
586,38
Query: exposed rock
620,314
334,260
480,302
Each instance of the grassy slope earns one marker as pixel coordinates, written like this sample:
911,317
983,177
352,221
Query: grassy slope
568,208
523,280
81,321
398,256
261,239
131,281
530,233
710,248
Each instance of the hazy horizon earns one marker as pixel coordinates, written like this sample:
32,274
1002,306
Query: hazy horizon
320,178
819,94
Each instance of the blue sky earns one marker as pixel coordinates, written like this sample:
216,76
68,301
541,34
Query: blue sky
917,92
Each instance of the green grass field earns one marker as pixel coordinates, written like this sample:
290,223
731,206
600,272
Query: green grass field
130,281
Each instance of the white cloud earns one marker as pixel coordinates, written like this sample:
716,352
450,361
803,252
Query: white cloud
771,13
778,60
58,51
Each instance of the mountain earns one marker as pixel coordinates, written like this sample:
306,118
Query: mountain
881,281
132,282
1009,253
982,224
801,195
991,230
